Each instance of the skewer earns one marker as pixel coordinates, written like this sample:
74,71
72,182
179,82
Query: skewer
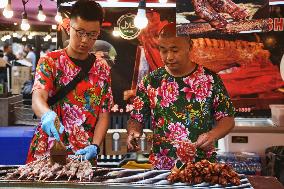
20,176
45,179
39,178
69,177
57,176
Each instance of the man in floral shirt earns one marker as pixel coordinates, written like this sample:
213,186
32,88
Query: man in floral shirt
83,112
188,104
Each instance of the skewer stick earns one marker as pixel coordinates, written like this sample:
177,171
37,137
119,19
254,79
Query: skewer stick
57,176
69,177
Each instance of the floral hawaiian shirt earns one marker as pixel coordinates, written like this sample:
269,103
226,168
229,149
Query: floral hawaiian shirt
78,111
181,109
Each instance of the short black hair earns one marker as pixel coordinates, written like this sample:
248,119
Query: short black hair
88,10
29,46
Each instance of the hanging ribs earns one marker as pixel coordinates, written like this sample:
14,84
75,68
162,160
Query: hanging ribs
203,9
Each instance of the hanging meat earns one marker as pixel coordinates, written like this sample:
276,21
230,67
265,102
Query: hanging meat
228,6
205,11
210,10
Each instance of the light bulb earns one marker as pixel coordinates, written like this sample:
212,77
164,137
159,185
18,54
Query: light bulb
116,32
24,38
30,36
140,20
163,1
3,3
15,34
53,27
8,12
25,24
41,17
58,17
48,37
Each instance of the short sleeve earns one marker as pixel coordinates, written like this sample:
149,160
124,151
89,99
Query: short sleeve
107,98
44,75
141,102
222,105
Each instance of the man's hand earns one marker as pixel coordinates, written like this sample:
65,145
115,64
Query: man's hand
89,152
48,124
132,141
206,141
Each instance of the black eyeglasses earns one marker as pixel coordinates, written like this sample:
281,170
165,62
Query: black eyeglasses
83,33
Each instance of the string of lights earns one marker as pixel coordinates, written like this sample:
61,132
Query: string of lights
25,26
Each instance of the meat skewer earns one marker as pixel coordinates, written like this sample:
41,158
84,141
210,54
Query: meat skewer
213,173
64,169
73,169
85,171
36,169
43,169
53,170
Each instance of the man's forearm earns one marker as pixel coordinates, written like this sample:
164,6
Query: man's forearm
223,127
39,103
134,126
101,128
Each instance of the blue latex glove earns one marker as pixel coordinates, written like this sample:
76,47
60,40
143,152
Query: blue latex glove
47,125
90,152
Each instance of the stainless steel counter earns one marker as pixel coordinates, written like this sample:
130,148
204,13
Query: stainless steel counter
256,125
252,135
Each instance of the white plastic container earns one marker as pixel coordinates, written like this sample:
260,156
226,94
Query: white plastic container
277,114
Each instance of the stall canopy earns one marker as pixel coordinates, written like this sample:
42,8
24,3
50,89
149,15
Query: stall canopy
50,8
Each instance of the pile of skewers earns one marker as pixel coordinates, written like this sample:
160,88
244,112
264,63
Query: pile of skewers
204,171
42,169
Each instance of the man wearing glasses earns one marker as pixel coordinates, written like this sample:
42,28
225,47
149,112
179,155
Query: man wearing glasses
84,111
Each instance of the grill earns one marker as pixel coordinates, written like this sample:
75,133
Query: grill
113,178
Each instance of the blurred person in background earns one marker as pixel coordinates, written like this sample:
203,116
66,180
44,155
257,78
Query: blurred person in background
31,56
8,53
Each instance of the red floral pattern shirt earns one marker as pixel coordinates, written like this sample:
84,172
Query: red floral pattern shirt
78,111
181,109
